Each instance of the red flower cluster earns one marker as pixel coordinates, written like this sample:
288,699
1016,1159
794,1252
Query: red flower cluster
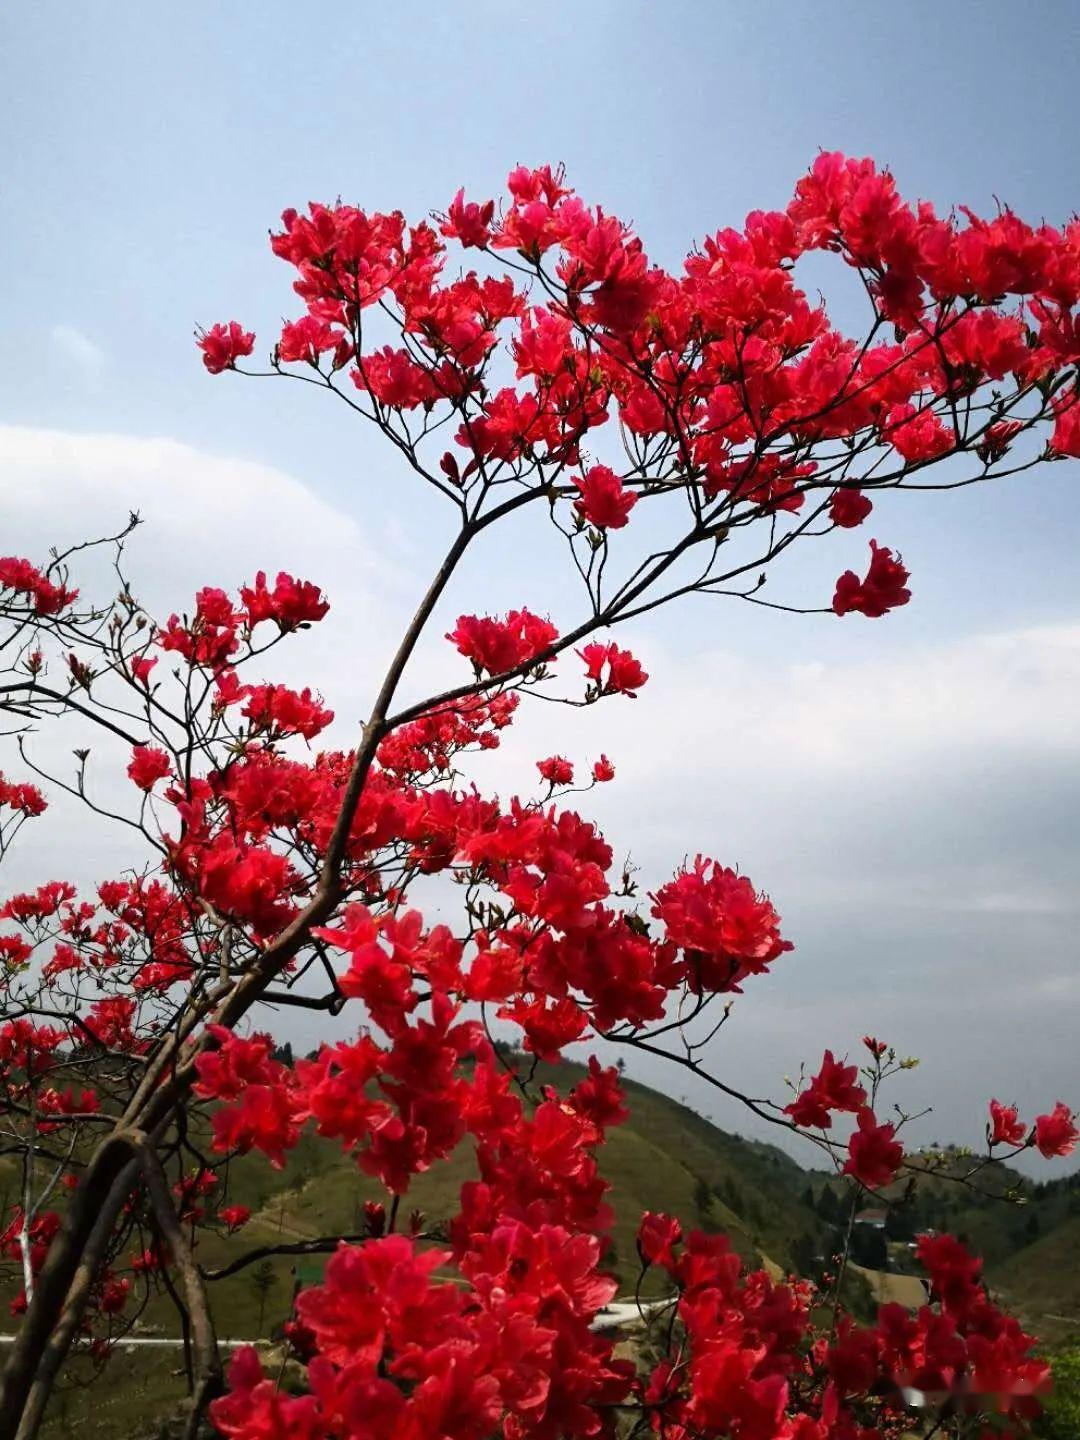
22,797
919,435
605,502
148,765
213,636
1053,1134
874,1156
37,1237
234,1217
275,711
1066,437
556,771
39,904
428,745
109,1292
735,399
308,338
726,360
22,578
190,1191
290,604
849,508
468,222
1006,1127
725,930
514,1346
833,1088
656,1239
243,1071
611,671
110,1021
882,589
497,646
1056,1133
26,1047
223,345
745,1367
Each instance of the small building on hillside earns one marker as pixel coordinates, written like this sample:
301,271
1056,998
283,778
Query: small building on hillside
875,1219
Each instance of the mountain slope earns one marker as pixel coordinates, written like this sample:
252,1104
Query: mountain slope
665,1157
1041,1282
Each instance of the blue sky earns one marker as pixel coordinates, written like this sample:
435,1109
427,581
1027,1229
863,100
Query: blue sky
907,790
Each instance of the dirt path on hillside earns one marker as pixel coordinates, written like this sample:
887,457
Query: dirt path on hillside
888,1289
277,1215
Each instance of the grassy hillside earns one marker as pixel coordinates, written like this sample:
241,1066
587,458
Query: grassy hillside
1041,1282
1027,1234
997,1213
755,1189
666,1157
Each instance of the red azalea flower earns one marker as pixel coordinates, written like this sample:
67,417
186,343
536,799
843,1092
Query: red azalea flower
23,578
612,671
148,765
882,589
468,222
1056,1134
874,1157
234,1216
223,345
918,435
832,1088
497,645
556,770
290,604
1006,1127
849,508
1066,437
604,501
657,1237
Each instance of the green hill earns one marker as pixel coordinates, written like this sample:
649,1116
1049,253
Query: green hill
1041,1282
666,1157
1028,1235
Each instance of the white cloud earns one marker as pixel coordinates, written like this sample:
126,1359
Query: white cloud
1011,689
208,520
68,485
79,349
730,749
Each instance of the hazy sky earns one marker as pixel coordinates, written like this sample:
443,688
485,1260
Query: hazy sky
906,789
